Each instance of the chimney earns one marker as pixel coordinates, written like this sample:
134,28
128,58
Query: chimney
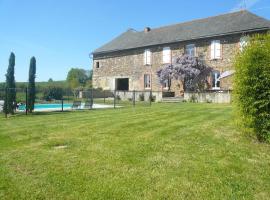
147,29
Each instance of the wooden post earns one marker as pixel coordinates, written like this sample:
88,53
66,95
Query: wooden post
62,102
26,101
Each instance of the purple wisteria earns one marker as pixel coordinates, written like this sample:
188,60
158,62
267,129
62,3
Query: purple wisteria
191,71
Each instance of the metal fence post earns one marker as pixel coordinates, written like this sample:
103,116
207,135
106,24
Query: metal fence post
150,97
92,98
133,98
104,96
6,92
114,98
26,101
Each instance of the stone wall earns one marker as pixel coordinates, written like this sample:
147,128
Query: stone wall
209,97
130,63
128,95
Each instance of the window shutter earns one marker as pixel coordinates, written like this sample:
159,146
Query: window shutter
145,57
166,55
212,50
217,49
149,55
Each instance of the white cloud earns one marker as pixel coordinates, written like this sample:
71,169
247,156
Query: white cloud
244,4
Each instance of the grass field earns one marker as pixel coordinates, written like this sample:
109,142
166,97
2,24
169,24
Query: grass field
167,151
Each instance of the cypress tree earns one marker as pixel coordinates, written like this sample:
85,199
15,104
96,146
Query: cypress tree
31,85
9,106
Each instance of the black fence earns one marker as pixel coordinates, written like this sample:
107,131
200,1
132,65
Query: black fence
55,99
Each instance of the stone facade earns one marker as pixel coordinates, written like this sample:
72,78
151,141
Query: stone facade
130,63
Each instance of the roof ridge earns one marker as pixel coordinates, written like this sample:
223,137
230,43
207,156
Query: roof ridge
194,20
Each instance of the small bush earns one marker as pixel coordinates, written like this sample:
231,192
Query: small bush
193,99
184,101
152,98
208,101
118,98
141,97
252,86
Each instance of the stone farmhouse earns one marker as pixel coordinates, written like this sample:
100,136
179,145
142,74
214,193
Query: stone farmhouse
131,60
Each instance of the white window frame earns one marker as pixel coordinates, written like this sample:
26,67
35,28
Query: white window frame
147,57
166,55
243,42
147,81
189,48
216,80
215,49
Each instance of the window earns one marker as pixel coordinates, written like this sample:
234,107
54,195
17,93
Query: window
97,65
215,49
216,80
166,55
147,57
190,50
147,81
243,42
167,84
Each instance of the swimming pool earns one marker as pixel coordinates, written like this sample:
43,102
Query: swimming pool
55,107
44,107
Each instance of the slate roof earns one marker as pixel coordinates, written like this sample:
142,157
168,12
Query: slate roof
231,23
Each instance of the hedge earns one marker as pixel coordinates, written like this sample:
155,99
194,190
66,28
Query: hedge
252,86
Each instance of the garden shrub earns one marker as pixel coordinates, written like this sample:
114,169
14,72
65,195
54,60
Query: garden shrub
252,86
152,98
193,99
141,97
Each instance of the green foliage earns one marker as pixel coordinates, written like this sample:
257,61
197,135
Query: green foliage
31,85
53,92
10,100
78,78
252,86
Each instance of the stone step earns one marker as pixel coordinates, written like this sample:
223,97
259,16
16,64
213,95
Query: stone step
172,99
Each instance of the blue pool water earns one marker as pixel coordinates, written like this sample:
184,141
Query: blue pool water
48,106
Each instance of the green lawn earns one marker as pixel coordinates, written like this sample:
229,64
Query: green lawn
167,151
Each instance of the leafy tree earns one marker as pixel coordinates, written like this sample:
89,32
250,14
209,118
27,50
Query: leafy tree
252,87
77,77
50,80
31,85
53,92
191,71
9,106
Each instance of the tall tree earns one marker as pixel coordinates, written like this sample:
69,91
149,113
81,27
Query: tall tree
10,101
31,85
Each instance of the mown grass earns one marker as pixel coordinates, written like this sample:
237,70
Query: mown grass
167,151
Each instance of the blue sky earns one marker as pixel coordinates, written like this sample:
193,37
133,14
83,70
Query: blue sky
62,33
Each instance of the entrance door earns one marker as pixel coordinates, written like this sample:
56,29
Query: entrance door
122,84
